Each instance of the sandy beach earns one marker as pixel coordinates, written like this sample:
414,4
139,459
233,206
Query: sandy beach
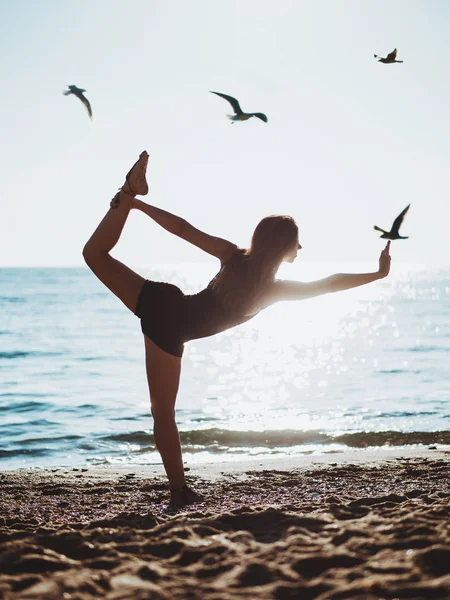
363,525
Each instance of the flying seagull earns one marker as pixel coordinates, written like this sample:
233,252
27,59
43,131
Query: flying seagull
78,92
390,58
239,114
393,234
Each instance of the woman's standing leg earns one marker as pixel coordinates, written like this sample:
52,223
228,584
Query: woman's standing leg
163,375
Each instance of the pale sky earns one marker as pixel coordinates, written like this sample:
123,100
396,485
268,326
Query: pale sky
349,143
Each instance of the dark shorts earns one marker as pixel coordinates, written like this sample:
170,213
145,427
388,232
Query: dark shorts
160,309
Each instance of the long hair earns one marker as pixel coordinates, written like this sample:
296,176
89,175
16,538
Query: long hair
243,280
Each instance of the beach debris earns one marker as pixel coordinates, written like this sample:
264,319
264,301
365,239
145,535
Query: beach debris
239,114
79,93
389,59
394,234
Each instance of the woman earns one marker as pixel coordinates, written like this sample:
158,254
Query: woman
244,286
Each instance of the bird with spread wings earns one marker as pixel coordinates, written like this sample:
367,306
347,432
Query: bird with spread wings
390,58
394,234
239,114
79,93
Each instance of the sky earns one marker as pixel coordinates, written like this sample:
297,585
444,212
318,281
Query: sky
348,144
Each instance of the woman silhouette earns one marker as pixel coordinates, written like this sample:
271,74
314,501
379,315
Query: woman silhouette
244,285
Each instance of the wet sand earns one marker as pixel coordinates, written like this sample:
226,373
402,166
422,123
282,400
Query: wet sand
359,525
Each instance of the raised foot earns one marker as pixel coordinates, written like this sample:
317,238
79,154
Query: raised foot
135,181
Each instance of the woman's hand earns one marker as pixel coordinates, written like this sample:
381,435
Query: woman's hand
385,261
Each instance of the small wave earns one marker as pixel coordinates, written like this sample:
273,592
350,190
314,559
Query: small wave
20,407
29,425
12,299
426,349
14,354
15,395
24,452
400,414
134,437
211,439
392,438
24,353
225,437
46,440
398,372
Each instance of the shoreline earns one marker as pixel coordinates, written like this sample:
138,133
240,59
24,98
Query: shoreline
361,524
211,470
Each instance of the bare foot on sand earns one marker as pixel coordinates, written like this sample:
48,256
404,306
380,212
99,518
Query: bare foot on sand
181,497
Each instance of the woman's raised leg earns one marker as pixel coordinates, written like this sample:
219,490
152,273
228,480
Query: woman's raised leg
121,280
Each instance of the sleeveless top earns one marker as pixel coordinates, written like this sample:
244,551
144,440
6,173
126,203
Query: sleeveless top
170,318
205,315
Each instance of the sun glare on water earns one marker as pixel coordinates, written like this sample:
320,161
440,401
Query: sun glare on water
290,355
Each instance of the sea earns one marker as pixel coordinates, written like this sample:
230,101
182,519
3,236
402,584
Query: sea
364,368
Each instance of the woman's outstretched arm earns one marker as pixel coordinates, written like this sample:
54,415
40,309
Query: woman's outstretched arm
222,249
296,290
